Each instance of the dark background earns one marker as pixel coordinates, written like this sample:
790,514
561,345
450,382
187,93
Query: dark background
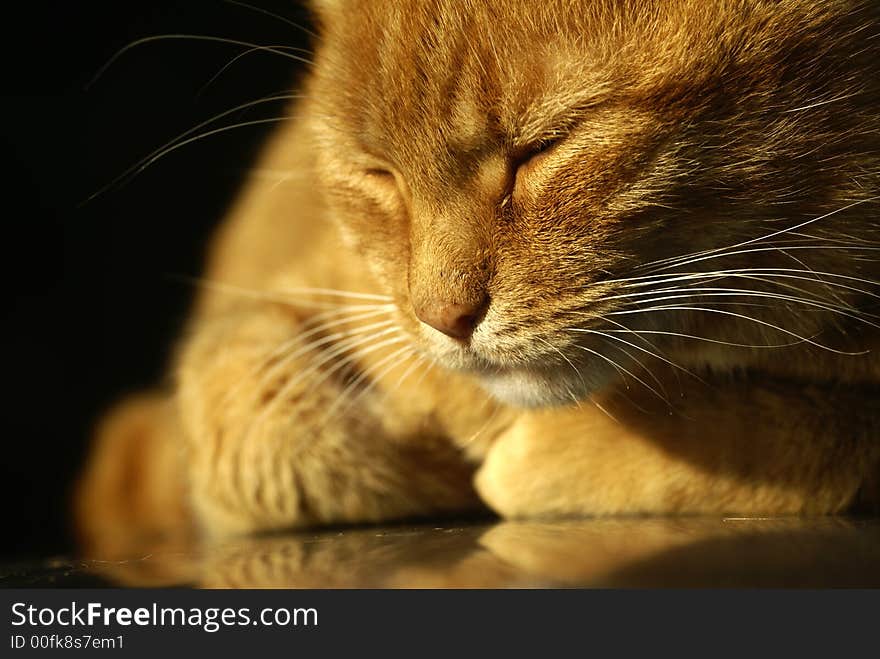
92,296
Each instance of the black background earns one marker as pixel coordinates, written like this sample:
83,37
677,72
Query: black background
92,296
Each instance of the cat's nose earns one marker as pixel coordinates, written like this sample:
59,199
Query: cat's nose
453,319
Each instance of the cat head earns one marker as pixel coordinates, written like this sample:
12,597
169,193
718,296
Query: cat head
527,179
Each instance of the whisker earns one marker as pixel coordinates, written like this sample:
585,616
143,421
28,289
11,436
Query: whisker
337,292
803,264
641,364
314,368
283,350
317,322
620,368
650,280
683,260
431,365
340,365
568,361
407,351
754,250
627,329
150,158
187,37
201,136
800,289
708,340
687,295
419,361
744,317
249,51
298,26
826,101
474,437
286,296
342,341
271,174
603,410
637,347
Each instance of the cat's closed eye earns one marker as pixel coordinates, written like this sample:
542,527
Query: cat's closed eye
382,183
527,160
380,174
541,149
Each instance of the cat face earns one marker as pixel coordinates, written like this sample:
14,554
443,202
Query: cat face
523,177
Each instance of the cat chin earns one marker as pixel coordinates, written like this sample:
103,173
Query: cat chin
531,389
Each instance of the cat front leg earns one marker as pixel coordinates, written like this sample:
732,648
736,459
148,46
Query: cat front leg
735,448
271,447
131,494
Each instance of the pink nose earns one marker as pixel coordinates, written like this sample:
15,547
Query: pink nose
453,319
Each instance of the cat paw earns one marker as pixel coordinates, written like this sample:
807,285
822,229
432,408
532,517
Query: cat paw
511,482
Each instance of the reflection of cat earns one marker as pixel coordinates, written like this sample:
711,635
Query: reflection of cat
594,553
618,257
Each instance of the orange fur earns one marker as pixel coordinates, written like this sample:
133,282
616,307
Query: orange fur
558,159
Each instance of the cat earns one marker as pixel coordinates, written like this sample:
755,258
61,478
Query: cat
556,258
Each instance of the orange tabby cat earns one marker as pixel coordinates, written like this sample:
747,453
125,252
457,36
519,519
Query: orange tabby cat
560,258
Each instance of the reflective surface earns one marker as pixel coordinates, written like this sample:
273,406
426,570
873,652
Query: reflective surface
640,553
